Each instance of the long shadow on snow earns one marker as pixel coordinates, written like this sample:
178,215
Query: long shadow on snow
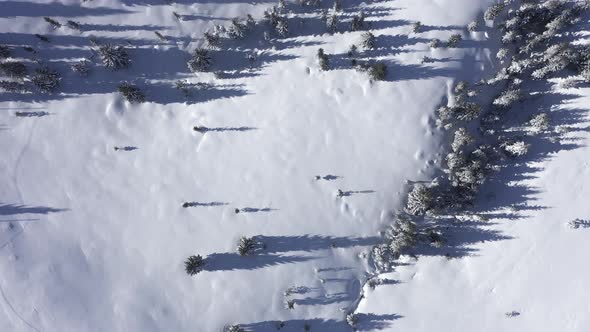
12,209
365,322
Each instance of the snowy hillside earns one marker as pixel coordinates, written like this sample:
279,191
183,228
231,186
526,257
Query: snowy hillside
309,154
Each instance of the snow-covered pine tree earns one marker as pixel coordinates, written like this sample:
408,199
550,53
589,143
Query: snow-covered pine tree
4,52
434,43
194,264
114,57
212,40
403,234
378,71
494,11
420,200
417,27
13,87
237,29
46,80
132,93
332,21
246,245
200,60
13,69
539,123
454,40
250,22
358,22
54,24
368,40
472,26
323,59
507,98
234,328
282,27
515,148
461,139
81,67
74,25
352,319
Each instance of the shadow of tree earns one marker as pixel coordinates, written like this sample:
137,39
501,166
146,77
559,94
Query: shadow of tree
12,209
365,322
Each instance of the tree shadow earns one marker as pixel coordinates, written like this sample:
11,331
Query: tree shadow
275,244
12,209
31,9
365,322
233,261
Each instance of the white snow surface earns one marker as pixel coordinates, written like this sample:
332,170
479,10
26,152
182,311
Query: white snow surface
93,239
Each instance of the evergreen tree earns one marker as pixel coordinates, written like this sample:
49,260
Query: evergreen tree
368,40
4,52
332,21
234,328
282,27
378,71
461,139
417,27
358,22
13,69
114,57
237,29
54,24
194,264
246,246
454,40
212,40
200,61
46,80
13,87
132,93
323,59
420,200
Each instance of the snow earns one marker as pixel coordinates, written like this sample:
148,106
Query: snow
93,239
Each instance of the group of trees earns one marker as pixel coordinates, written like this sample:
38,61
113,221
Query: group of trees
532,34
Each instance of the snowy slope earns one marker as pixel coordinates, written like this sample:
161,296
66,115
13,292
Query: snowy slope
521,265
93,239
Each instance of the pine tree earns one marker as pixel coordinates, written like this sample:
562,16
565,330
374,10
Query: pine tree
81,67
417,27
461,139
332,21
200,61
454,40
515,148
4,52
378,71
434,43
212,40
194,264
323,59
420,200
54,24
132,93
402,235
358,22
539,123
368,40
352,319
234,328
237,29
13,69
282,27
507,98
246,246
114,57
46,80
74,25
13,87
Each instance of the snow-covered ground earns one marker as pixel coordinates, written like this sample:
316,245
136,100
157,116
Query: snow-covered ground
93,239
